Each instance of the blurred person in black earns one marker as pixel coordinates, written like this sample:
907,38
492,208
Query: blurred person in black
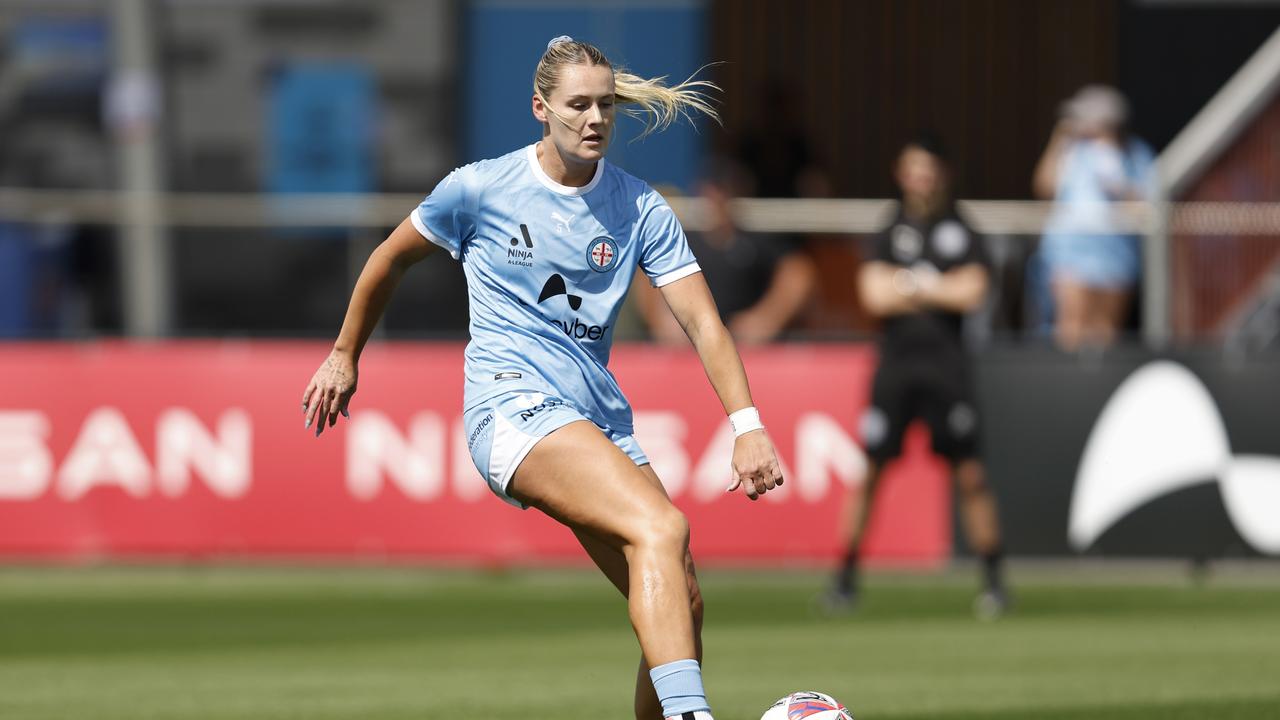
928,269
760,281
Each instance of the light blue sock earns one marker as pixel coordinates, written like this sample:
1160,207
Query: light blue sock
679,686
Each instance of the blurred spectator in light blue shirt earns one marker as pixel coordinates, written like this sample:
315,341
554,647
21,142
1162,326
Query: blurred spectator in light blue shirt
1091,265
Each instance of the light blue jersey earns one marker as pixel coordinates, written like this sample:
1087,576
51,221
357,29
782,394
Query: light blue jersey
1082,239
548,267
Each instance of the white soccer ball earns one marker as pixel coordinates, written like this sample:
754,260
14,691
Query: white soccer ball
807,705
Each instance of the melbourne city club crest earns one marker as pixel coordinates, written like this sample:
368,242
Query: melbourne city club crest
602,254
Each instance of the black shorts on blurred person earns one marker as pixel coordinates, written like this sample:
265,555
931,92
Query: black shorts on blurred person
923,371
936,390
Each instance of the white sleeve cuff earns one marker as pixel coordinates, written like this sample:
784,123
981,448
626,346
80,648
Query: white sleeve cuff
421,227
674,275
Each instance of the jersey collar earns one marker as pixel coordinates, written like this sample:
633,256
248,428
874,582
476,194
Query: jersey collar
531,153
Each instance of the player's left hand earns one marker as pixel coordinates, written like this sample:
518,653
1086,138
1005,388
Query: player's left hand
755,464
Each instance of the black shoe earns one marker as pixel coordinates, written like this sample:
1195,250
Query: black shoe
992,604
838,601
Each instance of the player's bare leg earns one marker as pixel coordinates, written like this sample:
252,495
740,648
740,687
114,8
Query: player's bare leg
1107,309
578,477
1069,299
614,565
981,522
977,507
856,513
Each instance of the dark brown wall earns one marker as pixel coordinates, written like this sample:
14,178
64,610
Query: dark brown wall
986,75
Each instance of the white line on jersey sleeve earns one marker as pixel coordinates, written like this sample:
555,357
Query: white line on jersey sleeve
677,274
421,227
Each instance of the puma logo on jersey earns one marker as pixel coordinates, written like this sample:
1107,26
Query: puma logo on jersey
564,223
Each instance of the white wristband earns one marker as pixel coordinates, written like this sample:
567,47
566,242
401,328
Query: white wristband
744,421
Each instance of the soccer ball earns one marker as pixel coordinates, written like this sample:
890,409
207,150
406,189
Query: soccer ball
807,705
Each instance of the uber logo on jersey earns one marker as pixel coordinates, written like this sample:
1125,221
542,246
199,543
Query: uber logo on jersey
521,256
950,239
555,286
574,327
906,243
602,254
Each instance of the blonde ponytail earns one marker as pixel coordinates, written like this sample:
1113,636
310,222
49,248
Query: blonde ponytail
656,104
659,105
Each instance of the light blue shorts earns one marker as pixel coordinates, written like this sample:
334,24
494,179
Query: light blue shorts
1098,261
503,429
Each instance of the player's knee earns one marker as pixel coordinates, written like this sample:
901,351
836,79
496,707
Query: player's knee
665,528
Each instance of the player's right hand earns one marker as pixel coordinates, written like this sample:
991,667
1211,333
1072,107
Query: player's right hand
330,390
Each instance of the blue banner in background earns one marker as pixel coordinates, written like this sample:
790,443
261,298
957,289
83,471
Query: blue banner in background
321,129
505,39
17,267
56,55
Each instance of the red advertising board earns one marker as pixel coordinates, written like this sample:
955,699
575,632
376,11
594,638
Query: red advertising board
197,450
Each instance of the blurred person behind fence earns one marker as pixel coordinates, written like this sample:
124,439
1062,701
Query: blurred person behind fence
1091,266
761,281
927,270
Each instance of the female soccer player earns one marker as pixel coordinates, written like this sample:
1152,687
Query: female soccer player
549,237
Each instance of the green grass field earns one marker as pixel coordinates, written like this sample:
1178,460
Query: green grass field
265,643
